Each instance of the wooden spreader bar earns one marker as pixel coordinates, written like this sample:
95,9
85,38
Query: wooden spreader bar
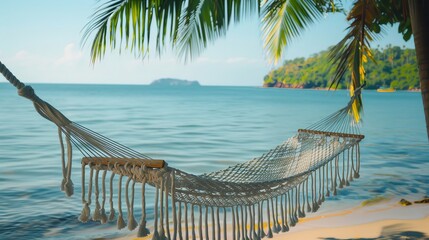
346,135
150,163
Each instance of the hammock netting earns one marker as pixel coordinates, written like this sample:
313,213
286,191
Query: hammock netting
251,200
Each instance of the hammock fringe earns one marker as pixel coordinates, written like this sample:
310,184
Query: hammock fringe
281,212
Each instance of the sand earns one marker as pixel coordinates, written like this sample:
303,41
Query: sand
385,219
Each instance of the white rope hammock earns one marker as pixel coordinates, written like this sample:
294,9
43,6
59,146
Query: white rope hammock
262,196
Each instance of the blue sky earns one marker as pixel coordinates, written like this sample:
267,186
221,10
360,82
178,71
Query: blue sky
42,43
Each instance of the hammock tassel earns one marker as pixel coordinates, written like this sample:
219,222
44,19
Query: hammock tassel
186,222
248,219
307,196
290,209
161,215
103,216
347,183
173,203
285,215
295,205
224,224
63,160
200,223
328,193
193,222
132,223
341,177
352,170
320,183
120,223
85,214
167,218
238,223
155,230
218,223
254,224
334,185
313,192
68,187
274,215
112,209
323,184
213,223
143,231
66,184
279,228
270,233
301,212
356,175
206,221
259,232
248,222
97,213
180,221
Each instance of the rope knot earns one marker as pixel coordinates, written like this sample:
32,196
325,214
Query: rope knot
27,92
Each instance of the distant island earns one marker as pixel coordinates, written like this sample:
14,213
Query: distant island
173,82
396,68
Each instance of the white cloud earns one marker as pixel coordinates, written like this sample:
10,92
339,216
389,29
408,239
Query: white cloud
70,55
22,55
25,58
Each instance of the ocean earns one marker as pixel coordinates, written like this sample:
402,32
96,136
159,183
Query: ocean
198,130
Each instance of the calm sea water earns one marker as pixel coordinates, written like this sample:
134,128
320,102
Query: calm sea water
198,130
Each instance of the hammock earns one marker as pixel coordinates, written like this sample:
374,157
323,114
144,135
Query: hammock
255,199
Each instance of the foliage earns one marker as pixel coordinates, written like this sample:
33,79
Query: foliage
189,25
354,49
395,67
283,20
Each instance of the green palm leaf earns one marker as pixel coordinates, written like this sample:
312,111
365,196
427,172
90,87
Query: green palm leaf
130,23
283,20
354,49
188,24
191,24
203,21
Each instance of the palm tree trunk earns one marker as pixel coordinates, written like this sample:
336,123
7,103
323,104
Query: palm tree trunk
419,15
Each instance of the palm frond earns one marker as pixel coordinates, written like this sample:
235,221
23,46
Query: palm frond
329,6
129,23
189,24
354,49
99,22
283,20
204,21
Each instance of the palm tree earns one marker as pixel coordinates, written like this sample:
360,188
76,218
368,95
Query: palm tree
189,25
419,17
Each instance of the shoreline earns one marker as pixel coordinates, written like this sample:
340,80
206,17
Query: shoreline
333,89
386,219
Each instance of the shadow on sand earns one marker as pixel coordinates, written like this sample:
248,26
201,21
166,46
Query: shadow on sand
392,232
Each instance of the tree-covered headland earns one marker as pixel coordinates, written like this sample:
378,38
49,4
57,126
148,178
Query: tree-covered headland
395,67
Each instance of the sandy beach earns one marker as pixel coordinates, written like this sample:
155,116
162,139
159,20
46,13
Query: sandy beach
386,220
382,220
